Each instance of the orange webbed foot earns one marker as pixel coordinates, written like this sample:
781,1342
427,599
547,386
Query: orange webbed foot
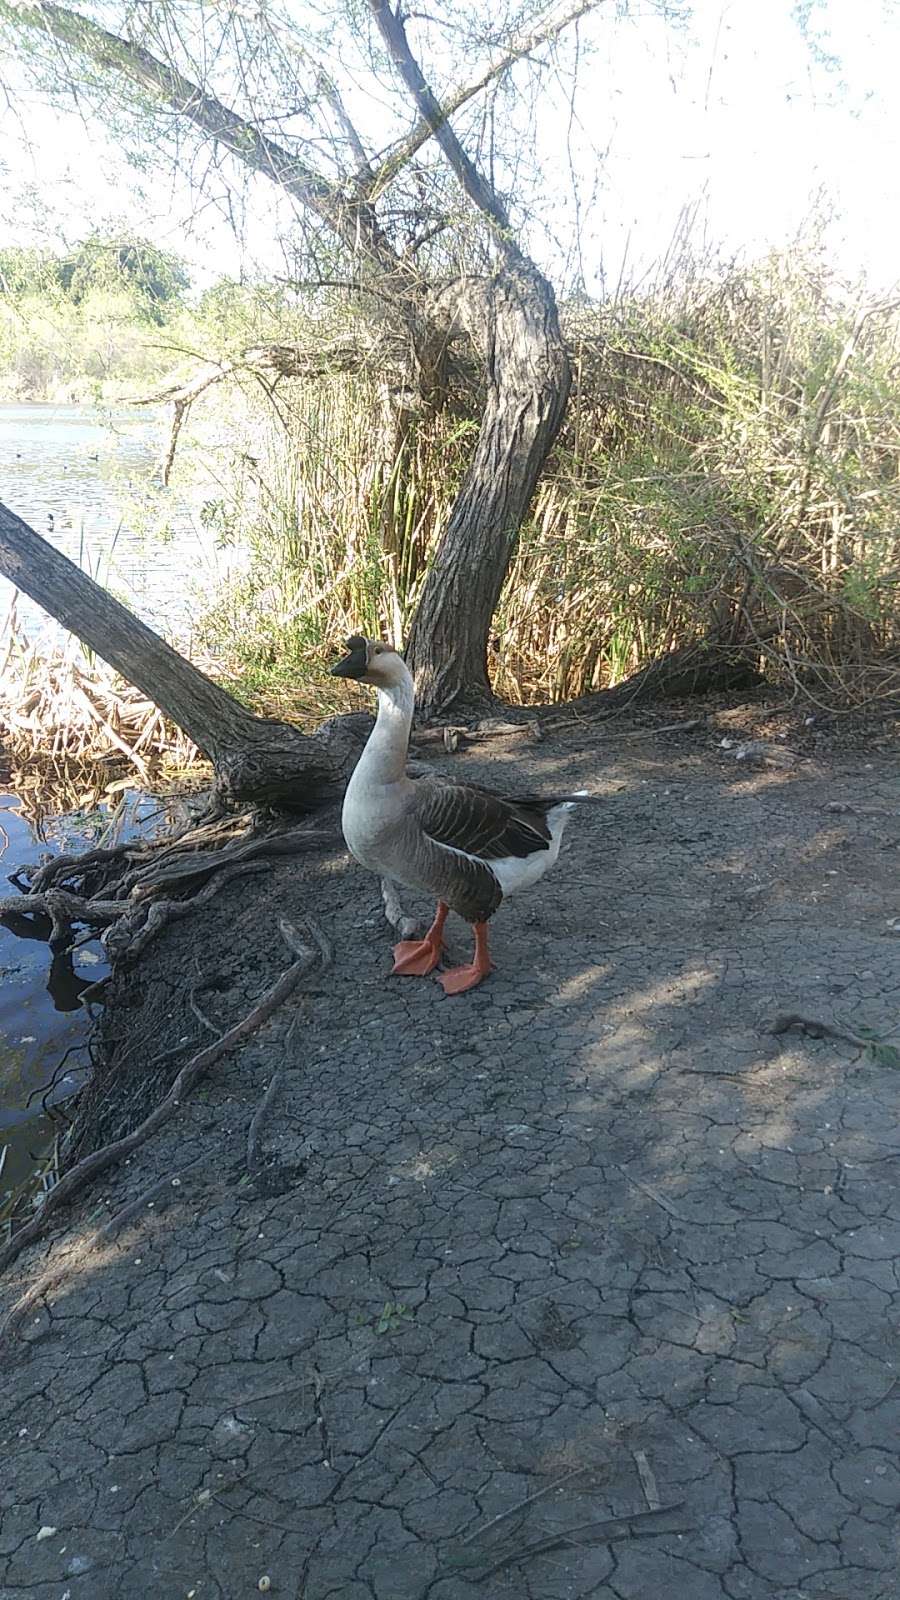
415,957
459,979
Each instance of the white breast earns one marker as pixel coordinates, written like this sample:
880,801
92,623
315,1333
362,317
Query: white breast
369,814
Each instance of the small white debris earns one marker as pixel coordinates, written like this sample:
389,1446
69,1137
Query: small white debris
265,1583
45,1533
28,1038
759,751
176,1183
90,956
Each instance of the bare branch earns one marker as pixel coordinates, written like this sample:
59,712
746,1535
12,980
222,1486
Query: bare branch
480,192
353,221
329,90
424,128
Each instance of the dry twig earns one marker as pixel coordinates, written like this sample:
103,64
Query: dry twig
818,1029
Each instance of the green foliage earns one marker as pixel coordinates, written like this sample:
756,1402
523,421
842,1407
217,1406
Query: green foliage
727,470
153,280
729,467
338,517
74,325
392,1317
723,472
27,271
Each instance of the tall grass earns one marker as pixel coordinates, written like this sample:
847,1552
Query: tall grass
339,516
728,469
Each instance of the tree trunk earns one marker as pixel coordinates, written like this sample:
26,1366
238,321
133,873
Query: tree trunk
528,386
254,758
711,666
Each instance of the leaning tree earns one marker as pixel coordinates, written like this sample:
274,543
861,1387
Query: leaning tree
406,195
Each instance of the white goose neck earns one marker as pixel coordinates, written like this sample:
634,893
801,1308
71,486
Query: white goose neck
384,758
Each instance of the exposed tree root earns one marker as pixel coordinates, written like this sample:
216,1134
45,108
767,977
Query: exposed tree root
63,909
134,890
188,867
86,1170
128,942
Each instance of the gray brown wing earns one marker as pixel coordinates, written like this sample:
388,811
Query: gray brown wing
479,823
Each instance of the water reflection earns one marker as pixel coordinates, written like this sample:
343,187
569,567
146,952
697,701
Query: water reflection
89,482
43,1026
64,984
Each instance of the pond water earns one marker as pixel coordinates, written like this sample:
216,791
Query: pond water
43,1025
89,483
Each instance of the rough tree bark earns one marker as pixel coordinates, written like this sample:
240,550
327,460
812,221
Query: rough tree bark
254,758
528,389
529,378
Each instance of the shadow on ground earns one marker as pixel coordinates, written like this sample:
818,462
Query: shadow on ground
517,1268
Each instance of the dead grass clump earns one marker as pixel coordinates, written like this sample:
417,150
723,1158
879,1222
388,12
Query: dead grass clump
67,721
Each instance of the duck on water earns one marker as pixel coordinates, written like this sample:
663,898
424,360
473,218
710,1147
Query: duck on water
466,846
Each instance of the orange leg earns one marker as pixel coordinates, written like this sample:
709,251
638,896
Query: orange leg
416,957
458,979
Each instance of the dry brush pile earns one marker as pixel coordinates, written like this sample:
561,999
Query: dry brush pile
70,727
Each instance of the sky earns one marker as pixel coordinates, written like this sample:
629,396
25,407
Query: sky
735,115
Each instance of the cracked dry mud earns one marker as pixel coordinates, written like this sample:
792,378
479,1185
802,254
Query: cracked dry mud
592,1216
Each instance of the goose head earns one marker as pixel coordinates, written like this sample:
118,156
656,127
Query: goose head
371,661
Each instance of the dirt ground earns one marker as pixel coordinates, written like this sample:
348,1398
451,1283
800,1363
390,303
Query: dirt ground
584,1284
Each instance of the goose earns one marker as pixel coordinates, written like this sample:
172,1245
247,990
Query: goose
465,845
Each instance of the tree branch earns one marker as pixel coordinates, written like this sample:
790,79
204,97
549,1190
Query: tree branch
480,192
329,90
424,128
352,220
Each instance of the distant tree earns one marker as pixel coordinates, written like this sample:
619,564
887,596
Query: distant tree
26,271
154,280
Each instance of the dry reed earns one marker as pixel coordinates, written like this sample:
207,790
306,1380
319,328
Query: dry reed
73,731
729,467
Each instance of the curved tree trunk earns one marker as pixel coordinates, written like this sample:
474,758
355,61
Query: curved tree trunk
254,758
529,378
528,385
